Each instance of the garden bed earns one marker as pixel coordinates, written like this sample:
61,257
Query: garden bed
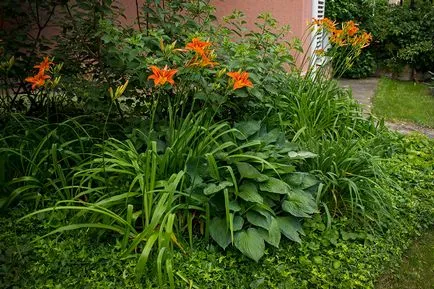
339,256
186,155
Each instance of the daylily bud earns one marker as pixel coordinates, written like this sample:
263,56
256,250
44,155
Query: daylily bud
221,72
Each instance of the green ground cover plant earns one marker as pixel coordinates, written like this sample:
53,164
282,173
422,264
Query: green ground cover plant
336,256
192,155
407,101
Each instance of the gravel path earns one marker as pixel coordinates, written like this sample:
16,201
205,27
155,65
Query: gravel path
364,90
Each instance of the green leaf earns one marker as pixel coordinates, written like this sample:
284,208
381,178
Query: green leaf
259,220
276,186
238,223
300,204
220,232
248,171
249,192
250,243
247,128
301,155
213,188
302,180
290,227
274,233
234,206
271,137
256,93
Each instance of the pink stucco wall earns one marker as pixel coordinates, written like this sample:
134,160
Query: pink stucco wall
296,13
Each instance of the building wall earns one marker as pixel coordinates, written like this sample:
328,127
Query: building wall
296,13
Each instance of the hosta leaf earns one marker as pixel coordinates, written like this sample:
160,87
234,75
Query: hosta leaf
213,188
220,232
247,128
272,238
250,243
259,220
248,171
234,206
300,204
238,223
197,168
271,137
276,186
273,233
302,180
249,192
290,227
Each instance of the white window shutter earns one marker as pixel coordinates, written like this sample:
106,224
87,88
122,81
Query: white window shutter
319,40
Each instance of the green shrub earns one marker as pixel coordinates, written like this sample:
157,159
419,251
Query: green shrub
341,254
405,37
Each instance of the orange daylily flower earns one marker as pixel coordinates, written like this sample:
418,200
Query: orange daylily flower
337,37
38,80
44,65
240,79
202,61
363,40
204,54
198,46
161,76
326,23
351,28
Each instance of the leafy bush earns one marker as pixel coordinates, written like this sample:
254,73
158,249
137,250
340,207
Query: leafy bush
364,66
342,255
402,34
405,37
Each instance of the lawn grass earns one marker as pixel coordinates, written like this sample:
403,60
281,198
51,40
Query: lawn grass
404,100
416,270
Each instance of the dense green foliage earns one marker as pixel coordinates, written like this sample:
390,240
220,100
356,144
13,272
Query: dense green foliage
200,156
340,256
403,35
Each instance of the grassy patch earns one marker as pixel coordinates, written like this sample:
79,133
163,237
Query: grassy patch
399,100
417,268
